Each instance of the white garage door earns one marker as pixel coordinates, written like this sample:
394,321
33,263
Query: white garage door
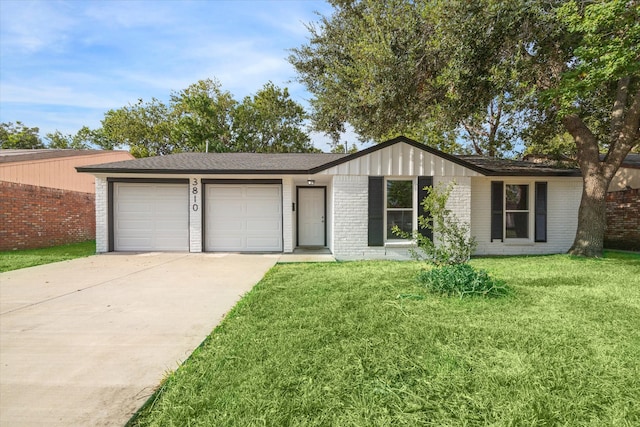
151,217
243,218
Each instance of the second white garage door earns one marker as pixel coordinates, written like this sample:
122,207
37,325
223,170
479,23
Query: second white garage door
243,218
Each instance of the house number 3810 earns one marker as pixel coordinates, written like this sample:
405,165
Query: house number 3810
194,192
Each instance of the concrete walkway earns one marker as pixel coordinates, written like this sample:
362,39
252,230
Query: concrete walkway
85,342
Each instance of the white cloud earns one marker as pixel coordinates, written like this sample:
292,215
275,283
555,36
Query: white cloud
68,62
32,26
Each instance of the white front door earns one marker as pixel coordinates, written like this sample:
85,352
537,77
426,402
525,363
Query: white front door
311,216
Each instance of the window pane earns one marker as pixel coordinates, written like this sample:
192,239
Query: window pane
399,194
403,219
517,225
517,197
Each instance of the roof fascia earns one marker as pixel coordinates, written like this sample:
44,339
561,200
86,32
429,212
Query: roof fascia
193,171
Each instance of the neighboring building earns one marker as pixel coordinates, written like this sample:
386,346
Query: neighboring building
246,202
623,207
44,201
628,175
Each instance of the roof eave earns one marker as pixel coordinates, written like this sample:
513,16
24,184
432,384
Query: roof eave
194,171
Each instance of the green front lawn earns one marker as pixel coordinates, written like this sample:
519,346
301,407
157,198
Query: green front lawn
361,344
13,260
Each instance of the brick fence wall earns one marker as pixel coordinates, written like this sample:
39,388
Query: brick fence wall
38,217
623,220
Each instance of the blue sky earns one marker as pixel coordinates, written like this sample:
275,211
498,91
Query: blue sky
63,64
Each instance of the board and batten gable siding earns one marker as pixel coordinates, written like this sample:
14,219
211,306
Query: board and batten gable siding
563,200
399,159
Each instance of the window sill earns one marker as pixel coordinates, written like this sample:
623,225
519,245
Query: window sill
519,242
400,244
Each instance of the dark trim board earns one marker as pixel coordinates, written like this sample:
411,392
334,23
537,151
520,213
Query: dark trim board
241,181
151,180
110,223
324,188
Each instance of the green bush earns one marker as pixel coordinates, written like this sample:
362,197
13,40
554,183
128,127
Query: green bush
462,280
453,242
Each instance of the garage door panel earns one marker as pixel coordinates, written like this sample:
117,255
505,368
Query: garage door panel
263,192
151,217
244,218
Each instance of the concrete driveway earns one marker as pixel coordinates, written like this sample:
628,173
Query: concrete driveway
85,342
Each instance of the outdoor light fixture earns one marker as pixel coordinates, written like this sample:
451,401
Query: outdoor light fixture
311,182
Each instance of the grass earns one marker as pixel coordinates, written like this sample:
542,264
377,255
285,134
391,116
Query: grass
13,260
361,344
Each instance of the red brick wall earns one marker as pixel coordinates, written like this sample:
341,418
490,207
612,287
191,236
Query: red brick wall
38,217
623,220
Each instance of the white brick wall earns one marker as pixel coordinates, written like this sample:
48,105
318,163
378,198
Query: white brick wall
350,207
563,200
102,227
460,198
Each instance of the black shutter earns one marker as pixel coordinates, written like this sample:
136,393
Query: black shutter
541,212
497,203
424,181
376,211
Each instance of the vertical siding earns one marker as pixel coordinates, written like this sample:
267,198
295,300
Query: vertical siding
400,160
563,200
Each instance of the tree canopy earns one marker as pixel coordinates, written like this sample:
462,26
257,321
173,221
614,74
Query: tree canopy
18,135
202,117
205,117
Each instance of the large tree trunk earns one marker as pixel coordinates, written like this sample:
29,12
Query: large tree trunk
596,173
592,220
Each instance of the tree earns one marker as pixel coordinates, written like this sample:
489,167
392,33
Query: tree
19,135
146,128
604,68
484,67
82,140
270,122
204,117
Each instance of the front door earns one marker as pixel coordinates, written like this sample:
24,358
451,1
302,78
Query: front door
311,216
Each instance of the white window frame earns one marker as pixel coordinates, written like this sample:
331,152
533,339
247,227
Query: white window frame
391,240
530,211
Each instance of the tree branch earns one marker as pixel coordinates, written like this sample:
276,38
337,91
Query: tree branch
627,137
474,142
588,154
617,113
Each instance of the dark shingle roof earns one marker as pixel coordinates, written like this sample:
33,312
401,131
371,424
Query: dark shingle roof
307,163
632,161
226,163
517,167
